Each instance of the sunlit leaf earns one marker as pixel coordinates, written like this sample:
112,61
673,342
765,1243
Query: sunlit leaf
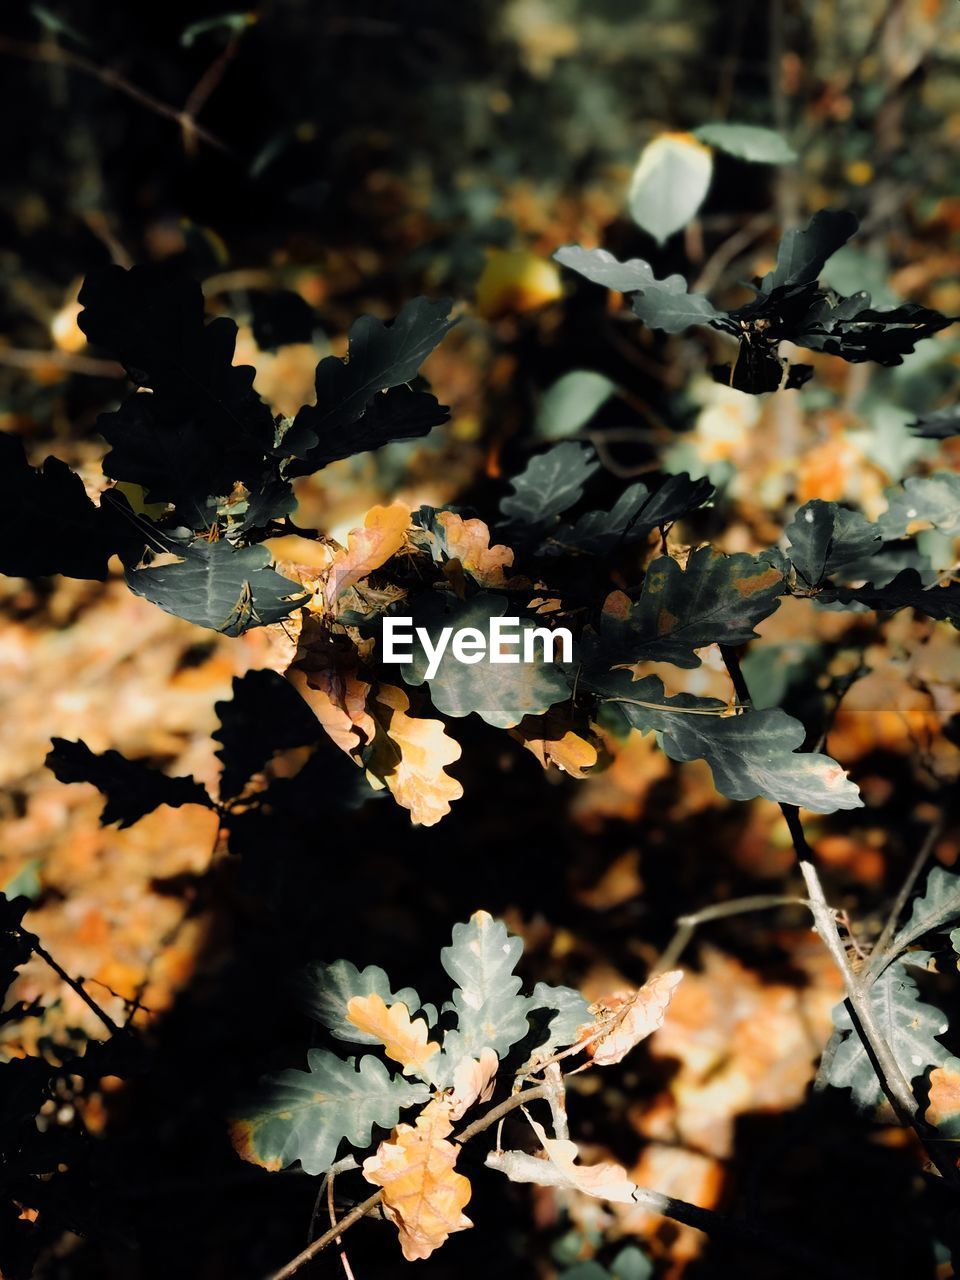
669,184
305,1115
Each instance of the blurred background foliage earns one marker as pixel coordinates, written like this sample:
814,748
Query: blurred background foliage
312,160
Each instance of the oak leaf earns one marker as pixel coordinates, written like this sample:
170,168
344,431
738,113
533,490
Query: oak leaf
423,1195
625,1018
469,542
409,755
472,1080
944,1109
605,1181
553,741
404,1039
382,536
325,676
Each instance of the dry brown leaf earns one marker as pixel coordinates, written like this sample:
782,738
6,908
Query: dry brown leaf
944,1108
472,1081
325,676
382,536
423,1195
469,542
553,741
404,1039
606,1181
409,757
625,1018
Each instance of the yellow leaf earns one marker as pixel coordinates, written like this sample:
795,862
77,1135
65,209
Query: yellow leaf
627,1017
553,741
136,495
296,551
404,1039
469,542
513,281
409,757
422,1194
382,536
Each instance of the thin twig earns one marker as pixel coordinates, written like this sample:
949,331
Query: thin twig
687,925
19,358
76,986
934,832
54,53
367,1206
893,1082
344,1261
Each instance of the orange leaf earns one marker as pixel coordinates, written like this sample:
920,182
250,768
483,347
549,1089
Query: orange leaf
553,741
627,1017
382,536
409,755
472,1079
606,1181
325,677
944,1108
422,1194
403,1038
469,542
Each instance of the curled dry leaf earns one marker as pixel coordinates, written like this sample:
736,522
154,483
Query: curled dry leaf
404,1039
409,755
469,542
944,1108
382,536
625,1018
552,740
606,1181
472,1081
327,680
423,1195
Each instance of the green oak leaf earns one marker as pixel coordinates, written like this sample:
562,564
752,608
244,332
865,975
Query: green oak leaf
933,500
747,142
633,515
714,599
823,537
907,590
751,754
325,989
500,693
669,184
213,585
908,1024
571,402
662,304
305,1115
490,1011
803,251
352,413
131,787
550,484
563,1010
